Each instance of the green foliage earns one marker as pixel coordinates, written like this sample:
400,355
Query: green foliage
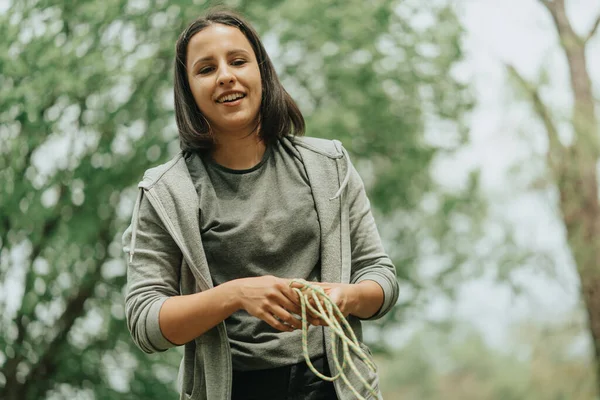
540,362
85,107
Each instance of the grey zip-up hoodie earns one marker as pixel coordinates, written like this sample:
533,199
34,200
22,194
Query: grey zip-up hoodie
166,258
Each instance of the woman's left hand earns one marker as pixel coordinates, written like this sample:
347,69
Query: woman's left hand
343,295
361,299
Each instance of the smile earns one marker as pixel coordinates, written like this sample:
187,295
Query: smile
230,97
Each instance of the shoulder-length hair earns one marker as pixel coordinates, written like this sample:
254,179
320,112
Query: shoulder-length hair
278,114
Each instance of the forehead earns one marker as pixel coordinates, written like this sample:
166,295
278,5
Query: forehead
216,40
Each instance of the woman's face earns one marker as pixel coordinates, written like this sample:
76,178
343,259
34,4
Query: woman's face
225,79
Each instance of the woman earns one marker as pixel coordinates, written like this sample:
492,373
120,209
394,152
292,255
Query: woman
219,231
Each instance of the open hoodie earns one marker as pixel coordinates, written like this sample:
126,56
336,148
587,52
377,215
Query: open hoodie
165,258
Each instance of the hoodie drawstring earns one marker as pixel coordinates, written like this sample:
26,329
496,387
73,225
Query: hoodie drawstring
135,219
346,178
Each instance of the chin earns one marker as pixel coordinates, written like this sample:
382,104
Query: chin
238,124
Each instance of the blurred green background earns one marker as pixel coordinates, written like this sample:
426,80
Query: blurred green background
473,124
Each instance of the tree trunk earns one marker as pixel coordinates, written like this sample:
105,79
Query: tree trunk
579,206
576,173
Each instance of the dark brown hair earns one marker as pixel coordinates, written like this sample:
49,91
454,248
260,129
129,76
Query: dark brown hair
278,112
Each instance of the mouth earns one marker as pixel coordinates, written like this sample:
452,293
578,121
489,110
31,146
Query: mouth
231,98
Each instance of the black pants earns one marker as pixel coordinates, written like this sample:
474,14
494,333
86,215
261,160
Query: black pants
291,382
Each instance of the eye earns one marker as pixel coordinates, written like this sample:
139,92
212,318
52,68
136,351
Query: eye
205,70
238,62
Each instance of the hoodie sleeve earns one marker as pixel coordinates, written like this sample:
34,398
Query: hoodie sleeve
153,268
369,259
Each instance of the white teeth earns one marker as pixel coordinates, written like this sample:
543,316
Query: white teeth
230,97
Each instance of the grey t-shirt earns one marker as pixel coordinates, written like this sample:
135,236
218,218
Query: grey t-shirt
254,222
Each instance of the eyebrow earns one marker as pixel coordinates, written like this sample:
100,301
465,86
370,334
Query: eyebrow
209,58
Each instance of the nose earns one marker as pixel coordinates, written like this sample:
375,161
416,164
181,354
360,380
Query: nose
225,77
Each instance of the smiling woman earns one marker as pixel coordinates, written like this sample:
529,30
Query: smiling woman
222,233
225,80
222,55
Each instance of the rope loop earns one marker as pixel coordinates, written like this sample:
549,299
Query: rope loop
332,315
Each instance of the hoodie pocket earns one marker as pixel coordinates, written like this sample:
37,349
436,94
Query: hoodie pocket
371,376
193,383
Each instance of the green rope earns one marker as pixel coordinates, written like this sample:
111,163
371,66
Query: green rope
348,343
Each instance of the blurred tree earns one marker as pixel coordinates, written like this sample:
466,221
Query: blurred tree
540,362
86,106
572,163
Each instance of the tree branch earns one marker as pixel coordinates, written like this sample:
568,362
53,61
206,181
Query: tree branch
5,221
593,30
10,367
66,321
48,361
568,37
548,4
556,150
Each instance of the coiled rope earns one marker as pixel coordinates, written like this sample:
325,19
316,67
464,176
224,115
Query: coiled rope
332,317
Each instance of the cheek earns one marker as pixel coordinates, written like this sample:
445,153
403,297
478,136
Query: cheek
260,93
257,80
259,89
199,89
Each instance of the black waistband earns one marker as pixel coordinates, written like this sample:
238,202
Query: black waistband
290,382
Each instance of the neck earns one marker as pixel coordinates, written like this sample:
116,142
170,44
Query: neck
238,152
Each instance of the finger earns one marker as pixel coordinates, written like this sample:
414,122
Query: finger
275,323
285,296
316,313
310,317
312,314
289,305
296,284
292,295
318,303
313,319
284,316
305,290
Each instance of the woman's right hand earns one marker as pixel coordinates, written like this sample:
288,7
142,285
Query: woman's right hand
272,300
